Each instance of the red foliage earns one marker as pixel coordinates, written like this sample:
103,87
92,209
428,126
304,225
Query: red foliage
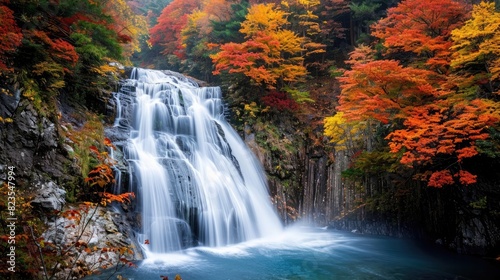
440,178
280,100
60,50
66,22
172,20
64,51
10,35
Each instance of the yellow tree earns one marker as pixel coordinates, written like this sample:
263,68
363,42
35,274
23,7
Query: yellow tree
344,134
477,47
263,17
306,22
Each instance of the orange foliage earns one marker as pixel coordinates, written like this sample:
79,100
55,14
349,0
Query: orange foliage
269,55
422,27
435,120
64,51
384,90
120,198
444,129
101,175
440,178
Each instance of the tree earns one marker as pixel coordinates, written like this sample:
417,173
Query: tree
432,122
306,22
384,90
477,49
129,27
195,45
344,134
226,31
422,28
441,136
270,55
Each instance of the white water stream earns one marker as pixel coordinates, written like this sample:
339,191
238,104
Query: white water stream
197,182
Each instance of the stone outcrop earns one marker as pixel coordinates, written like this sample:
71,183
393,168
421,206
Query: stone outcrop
49,197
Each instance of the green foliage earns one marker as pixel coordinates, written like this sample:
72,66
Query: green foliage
89,135
100,38
377,162
364,11
64,46
353,174
480,204
491,146
228,31
298,95
335,72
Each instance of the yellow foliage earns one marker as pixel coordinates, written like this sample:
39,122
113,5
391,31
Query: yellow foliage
251,109
263,17
478,41
5,120
309,3
342,132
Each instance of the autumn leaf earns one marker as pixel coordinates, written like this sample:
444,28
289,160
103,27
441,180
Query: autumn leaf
476,46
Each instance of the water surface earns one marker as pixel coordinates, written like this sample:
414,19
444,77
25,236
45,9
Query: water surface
307,253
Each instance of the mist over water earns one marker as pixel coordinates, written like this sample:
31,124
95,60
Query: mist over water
197,182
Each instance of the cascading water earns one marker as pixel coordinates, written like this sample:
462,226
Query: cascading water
196,181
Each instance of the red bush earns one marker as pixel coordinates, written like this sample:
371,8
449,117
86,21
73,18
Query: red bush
280,101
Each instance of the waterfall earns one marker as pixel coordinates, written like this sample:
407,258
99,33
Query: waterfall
195,180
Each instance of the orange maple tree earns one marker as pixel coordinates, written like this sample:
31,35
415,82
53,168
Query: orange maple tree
444,133
385,90
422,28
